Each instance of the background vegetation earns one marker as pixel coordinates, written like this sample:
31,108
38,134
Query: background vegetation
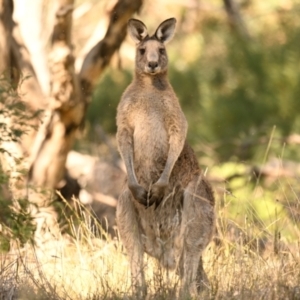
233,89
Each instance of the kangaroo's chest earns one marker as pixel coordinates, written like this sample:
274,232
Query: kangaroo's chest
150,136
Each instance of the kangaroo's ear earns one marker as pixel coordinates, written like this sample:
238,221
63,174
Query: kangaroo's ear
166,30
137,30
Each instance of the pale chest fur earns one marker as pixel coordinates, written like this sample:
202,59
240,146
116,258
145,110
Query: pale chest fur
150,136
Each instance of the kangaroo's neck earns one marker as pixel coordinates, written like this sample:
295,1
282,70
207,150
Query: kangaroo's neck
158,81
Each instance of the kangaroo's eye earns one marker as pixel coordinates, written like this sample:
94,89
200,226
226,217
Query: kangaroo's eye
142,51
162,51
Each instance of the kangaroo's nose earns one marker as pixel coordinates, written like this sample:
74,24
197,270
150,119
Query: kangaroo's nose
153,64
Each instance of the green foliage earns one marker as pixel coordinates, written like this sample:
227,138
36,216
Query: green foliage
17,223
15,219
269,204
251,86
102,110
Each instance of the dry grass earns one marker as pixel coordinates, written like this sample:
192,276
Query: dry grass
95,269
241,271
242,263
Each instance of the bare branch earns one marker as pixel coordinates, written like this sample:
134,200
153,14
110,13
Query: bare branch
99,56
236,18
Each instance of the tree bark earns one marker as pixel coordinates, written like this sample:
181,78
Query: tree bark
70,94
65,110
6,7
28,14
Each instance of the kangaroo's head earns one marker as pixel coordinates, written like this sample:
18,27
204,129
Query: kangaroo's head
151,56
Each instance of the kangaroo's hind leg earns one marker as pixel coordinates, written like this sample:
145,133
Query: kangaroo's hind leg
129,229
196,232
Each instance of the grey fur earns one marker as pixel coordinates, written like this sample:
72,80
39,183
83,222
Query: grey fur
167,207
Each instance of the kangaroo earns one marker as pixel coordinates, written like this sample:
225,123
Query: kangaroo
166,208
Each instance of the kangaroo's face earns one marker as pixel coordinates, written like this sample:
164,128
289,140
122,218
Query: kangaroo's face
151,55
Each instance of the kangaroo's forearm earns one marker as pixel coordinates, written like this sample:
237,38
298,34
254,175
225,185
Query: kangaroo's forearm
128,160
126,151
176,146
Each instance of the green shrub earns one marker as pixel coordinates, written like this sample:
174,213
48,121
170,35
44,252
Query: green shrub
15,219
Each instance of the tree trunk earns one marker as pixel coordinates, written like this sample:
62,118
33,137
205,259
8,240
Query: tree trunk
12,63
28,14
65,109
68,105
5,35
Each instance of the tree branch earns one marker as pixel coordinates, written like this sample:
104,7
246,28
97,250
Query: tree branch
236,18
99,56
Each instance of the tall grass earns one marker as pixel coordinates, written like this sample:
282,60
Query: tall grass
249,258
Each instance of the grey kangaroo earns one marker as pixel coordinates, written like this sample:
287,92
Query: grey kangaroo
166,208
